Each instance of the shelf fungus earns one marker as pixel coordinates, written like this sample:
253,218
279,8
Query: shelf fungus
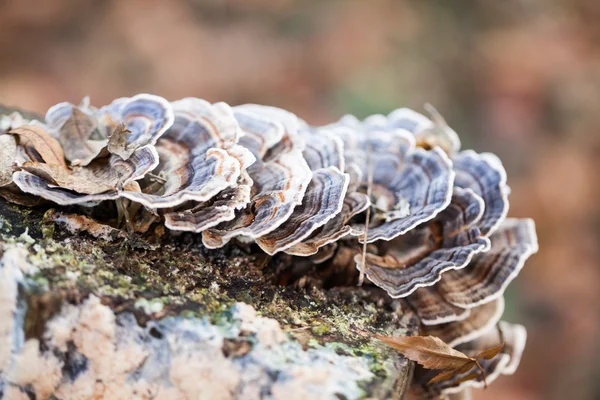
390,198
486,277
280,175
420,257
477,321
83,155
324,237
324,196
198,157
409,185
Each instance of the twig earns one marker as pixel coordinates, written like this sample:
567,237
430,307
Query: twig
363,262
482,374
124,213
156,177
302,328
435,115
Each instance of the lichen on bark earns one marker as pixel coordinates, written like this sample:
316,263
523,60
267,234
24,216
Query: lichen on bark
195,307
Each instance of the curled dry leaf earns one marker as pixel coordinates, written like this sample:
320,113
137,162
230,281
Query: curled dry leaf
504,363
118,144
76,133
47,147
81,180
432,353
89,185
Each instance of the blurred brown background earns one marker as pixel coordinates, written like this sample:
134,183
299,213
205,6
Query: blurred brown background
517,77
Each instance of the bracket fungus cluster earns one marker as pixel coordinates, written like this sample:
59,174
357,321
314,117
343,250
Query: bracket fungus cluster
392,197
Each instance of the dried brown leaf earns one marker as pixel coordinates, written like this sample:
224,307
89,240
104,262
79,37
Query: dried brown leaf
13,194
445,375
118,144
432,353
75,137
471,376
47,147
490,353
429,351
81,180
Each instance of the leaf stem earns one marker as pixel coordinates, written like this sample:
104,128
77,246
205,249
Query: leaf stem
363,262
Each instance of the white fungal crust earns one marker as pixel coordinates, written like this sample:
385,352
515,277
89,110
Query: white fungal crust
11,274
8,155
87,350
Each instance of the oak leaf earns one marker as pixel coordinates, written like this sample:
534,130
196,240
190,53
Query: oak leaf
76,138
80,180
432,353
118,143
47,147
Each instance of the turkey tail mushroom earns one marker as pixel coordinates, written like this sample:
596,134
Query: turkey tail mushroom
392,198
